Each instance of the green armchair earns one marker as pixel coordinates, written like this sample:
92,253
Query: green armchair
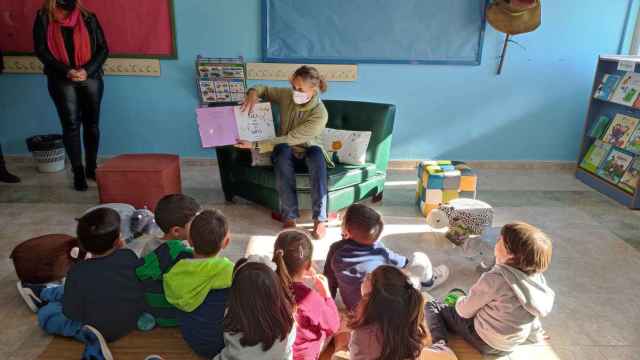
347,183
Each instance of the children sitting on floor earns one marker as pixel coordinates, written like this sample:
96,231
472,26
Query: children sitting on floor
198,287
504,307
101,299
389,321
173,214
360,252
316,314
259,322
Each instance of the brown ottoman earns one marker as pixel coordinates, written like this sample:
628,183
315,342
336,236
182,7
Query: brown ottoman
139,179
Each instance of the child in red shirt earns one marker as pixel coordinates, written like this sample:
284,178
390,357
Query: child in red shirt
316,314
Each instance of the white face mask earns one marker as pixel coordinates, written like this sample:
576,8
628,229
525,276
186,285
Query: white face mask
300,98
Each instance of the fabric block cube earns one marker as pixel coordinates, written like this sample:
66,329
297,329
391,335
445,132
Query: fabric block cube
139,179
441,181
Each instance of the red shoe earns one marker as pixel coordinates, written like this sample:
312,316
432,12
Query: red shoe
289,224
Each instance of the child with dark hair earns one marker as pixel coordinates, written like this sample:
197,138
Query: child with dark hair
360,251
173,215
504,307
101,299
316,314
259,322
389,322
199,287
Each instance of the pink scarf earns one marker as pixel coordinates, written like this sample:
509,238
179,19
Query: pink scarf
81,42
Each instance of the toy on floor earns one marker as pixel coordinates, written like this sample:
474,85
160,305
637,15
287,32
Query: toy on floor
134,222
469,225
442,181
453,295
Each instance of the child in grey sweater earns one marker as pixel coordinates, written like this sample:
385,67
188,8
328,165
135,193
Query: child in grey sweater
504,307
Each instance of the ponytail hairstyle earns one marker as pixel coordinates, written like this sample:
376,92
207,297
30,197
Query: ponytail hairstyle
397,309
363,223
292,254
258,308
311,75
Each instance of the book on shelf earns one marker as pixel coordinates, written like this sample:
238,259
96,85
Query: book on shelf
631,177
628,89
633,144
615,165
607,87
620,130
594,156
599,127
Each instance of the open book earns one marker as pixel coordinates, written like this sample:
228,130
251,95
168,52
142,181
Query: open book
225,125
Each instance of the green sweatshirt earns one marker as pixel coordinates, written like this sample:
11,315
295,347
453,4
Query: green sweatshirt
301,126
190,280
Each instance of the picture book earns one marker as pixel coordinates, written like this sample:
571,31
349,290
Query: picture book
607,87
599,127
225,125
615,165
628,89
630,179
633,144
221,80
620,130
597,152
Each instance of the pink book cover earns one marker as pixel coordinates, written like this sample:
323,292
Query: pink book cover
217,126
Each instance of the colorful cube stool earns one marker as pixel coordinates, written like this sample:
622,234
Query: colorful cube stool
441,181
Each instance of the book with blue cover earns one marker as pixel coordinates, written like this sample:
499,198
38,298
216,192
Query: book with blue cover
607,86
599,127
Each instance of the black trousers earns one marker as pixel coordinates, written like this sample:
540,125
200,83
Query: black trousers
442,318
78,105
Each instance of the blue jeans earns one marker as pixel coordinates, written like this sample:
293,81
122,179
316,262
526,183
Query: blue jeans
285,164
52,320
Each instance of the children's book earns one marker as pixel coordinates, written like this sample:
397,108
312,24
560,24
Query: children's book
607,87
225,125
628,89
599,127
597,152
633,144
630,179
620,130
615,165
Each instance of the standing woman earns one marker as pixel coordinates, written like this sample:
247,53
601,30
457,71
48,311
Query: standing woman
70,43
298,145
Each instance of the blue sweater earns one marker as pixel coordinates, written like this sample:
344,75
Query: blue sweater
202,328
348,262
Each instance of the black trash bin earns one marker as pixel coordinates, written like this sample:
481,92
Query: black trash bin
48,152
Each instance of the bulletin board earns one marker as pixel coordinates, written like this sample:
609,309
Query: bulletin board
374,31
141,28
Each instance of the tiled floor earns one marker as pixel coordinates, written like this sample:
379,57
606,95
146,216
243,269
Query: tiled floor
595,268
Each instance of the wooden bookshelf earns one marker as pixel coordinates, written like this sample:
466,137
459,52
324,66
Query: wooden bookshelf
600,107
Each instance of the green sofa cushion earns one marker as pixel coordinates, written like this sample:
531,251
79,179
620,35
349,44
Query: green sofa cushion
340,177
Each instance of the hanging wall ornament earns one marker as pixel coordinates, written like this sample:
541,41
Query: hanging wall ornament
513,17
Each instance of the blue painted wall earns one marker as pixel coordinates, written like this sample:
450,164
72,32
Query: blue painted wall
534,111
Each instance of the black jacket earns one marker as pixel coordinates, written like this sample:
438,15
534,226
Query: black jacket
55,68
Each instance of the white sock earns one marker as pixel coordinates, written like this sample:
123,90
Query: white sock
421,267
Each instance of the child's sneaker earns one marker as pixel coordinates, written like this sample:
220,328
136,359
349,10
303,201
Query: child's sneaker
31,295
96,347
440,275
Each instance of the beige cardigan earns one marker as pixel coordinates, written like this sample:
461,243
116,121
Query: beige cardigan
301,126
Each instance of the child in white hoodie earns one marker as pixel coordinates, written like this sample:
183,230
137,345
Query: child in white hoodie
504,307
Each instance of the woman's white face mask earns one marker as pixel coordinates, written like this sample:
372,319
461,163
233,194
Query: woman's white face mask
300,97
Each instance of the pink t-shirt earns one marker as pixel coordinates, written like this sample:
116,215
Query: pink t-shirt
317,318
